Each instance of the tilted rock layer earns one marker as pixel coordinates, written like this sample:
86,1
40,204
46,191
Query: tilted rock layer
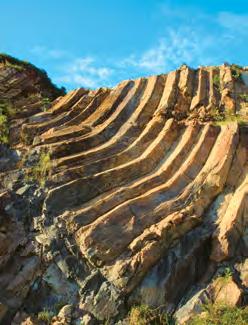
132,195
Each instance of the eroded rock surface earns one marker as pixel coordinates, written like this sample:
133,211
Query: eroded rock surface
131,195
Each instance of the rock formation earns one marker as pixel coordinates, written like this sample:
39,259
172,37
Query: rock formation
109,198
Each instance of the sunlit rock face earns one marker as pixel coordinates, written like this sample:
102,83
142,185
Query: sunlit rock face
136,194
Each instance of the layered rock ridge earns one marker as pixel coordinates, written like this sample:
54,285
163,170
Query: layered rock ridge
136,194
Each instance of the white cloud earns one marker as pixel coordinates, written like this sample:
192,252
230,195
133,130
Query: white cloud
85,72
179,46
44,52
198,40
233,22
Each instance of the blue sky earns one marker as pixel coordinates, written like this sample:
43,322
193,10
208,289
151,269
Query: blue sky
95,43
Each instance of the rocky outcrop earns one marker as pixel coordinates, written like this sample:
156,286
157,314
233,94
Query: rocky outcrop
130,195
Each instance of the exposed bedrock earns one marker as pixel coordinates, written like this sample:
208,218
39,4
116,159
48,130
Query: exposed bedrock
113,197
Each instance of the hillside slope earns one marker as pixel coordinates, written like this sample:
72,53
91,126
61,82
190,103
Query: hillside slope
115,197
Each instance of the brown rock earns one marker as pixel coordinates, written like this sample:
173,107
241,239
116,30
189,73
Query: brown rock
225,290
3,310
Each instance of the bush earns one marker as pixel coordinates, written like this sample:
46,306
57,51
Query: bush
46,103
144,315
45,316
6,112
224,118
244,97
216,115
216,81
4,129
219,314
41,170
15,66
227,274
213,314
236,72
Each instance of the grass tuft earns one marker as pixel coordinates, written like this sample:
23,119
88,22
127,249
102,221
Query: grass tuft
220,314
41,170
244,97
212,314
45,316
236,72
6,112
144,315
216,81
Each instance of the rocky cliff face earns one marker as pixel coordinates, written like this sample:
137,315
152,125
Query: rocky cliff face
132,195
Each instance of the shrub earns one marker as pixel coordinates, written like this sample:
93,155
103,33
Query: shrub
45,316
236,72
244,97
144,315
222,119
216,115
216,81
15,66
227,273
4,129
6,112
46,103
41,170
220,314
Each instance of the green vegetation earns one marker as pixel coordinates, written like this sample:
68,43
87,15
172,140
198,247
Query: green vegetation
222,118
219,314
216,115
225,277
216,81
6,112
212,314
41,170
34,96
227,273
46,103
244,97
229,118
4,128
236,72
143,315
15,66
45,316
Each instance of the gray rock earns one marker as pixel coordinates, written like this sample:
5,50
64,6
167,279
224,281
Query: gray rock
104,305
242,268
23,190
192,307
60,286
